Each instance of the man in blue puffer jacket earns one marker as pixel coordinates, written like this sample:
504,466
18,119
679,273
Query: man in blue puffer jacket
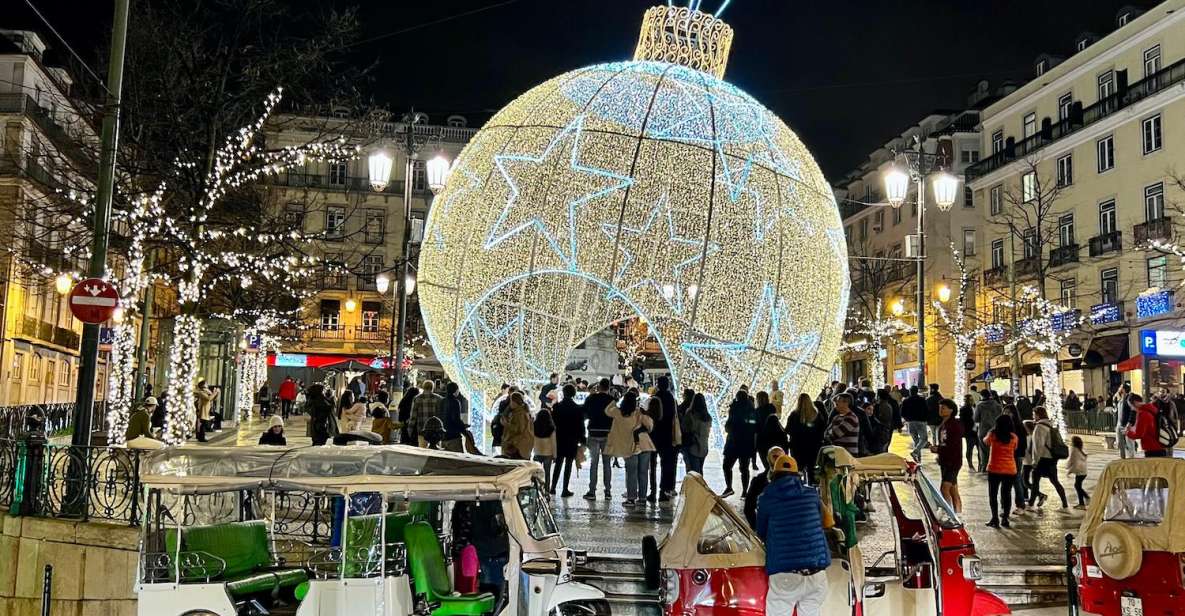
790,522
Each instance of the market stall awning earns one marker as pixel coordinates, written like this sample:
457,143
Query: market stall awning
1105,350
1129,364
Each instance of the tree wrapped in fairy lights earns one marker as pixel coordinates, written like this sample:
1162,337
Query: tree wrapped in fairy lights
959,324
874,335
1044,332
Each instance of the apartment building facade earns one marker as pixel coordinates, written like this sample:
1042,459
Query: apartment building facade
348,325
883,268
1092,152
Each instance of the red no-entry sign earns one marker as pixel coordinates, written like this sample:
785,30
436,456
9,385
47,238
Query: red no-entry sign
93,300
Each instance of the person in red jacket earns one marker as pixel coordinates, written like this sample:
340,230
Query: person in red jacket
1146,431
287,395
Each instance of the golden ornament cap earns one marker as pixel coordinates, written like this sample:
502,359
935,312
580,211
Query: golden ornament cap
684,36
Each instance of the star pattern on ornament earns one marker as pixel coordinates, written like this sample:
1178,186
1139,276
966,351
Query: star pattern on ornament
660,239
469,182
510,334
561,156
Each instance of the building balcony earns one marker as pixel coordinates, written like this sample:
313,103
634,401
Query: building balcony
995,275
1106,243
66,140
1027,267
1159,229
322,181
36,329
1063,255
338,282
1080,118
329,334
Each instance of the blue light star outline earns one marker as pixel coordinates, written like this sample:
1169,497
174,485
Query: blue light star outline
479,330
572,131
661,207
470,183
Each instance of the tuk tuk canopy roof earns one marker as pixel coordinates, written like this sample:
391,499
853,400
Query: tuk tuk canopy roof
356,468
1154,537
880,464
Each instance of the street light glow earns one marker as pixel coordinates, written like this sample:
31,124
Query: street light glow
351,305
943,293
380,170
896,186
438,171
382,283
409,284
63,283
946,188
897,307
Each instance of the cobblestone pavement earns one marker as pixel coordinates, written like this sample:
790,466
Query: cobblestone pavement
605,526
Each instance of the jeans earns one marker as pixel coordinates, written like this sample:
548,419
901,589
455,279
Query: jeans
729,461
788,591
1021,484
1082,495
1047,468
637,475
919,432
1000,492
668,468
1124,445
546,462
286,407
562,464
984,453
596,444
693,462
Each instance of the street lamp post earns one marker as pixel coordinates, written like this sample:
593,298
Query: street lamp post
380,163
920,165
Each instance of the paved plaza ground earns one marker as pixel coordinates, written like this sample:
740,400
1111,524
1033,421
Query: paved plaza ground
607,527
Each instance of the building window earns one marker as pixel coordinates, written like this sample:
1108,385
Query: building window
1042,66
419,177
1029,239
1065,170
1029,127
968,197
863,237
1106,84
335,221
1105,148
998,141
1028,186
1151,61
294,217
370,316
64,376
1082,44
1154,202
337,174
1069,292
998,253
1064,104
879,225
330,314
1065,230
1158,272
371,266
996,200
18,366
896,216
969,156
969,242
35,368
1109,283
1107,221
1124,18
375,221
1151,133
333,276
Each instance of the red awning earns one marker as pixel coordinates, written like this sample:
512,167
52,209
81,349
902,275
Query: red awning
1129,364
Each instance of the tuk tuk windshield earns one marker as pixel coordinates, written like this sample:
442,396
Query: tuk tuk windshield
1137,500
537,513
945,514
722,534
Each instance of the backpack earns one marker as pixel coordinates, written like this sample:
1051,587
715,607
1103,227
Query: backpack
544,427
1057,445
1166,430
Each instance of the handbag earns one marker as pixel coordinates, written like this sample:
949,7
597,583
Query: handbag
677,430
1057,445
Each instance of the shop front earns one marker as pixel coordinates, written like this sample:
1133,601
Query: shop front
1161,361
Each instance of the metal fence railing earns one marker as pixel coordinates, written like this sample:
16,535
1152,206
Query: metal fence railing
1089,422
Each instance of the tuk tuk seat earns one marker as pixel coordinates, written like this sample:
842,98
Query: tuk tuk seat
362,533
243,547
430,575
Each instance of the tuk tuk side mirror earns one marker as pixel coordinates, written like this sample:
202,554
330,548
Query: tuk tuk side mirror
874,590
541,567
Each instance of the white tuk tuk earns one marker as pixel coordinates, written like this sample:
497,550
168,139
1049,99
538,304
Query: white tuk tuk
344,531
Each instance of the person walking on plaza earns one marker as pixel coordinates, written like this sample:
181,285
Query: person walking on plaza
264,398
518,436
1126,404
403,415
790,522
986,413
765,409
274,435
665,440
382,424
140,421
1048,447
427,405
967,418
287,395
322,418
629,438
760,482
696,426
1147,429
1001,468
739,443
204,397
1076,466
885,420
545,397
913,411
776,397
599,424
352,413
949,449
1024,460
844,428
805,428
543,426
933,417
455,424
770,435
569,436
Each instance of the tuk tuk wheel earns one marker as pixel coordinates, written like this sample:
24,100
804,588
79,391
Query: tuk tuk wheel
650,562
1117,550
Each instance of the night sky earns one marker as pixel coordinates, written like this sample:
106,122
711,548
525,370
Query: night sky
846,75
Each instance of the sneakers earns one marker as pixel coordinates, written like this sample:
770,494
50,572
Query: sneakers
1004,523
993,524
589,496
653,497
726,493
566,494
629,502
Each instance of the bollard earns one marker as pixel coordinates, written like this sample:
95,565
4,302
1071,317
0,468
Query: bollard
1071,579
32,469
45,590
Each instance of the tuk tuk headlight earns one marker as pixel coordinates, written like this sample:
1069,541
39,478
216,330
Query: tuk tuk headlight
972,567
668,591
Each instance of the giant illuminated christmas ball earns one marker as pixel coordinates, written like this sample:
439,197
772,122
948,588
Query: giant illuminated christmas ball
649,188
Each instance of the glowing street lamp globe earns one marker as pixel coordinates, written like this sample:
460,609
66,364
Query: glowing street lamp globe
946,189
896,186
644,188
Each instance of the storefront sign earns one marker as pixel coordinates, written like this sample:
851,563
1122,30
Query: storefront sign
1154,304
1101,314
291,360
969,365
1162,343
1075,349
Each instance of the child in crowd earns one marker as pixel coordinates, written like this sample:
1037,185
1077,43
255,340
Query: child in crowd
1076,466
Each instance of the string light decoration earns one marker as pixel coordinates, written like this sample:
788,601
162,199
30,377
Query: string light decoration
685,36
181,414
1045,332
642,188
877,334
959,325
